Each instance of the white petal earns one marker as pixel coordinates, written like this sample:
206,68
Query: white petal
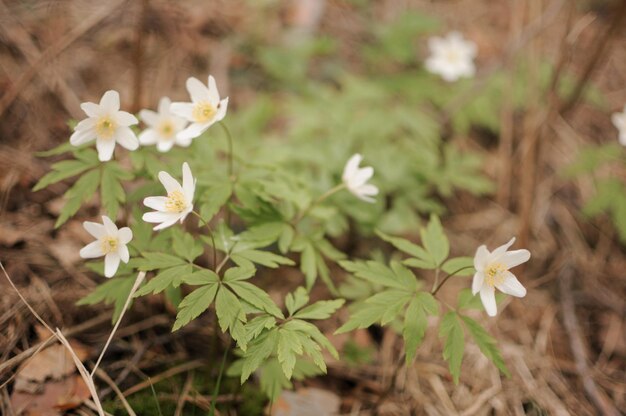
368,189
214,95
86,124
123,253
164,106
363,197
221,110
170,184
110,101
124,235
183,110
179,122
477,282
622,138
154,217
481,257
155,202
183,142
165,145
498,252
351,167
165,224
148,137
80,137
193,130
125,136
514,258
91,109
111,263
95,229
361,176
149,117
124,118
189,184
109,226
92,250
105,149
488,298
197,90
512,286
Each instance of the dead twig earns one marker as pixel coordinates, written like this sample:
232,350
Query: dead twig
572,327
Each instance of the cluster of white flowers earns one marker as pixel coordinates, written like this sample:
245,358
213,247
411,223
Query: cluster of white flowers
451,57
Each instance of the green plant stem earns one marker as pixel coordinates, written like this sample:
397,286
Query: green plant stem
206,224
219,381
445,279
317,201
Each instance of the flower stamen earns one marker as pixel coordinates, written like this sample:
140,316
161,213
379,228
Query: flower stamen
203,112
495,274
175,202
166,128
105,127
109,244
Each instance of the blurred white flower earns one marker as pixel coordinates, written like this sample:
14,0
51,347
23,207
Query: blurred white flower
162,127
107,124
492,271
619,121
203,111
356,178
176,205
110,243
451,57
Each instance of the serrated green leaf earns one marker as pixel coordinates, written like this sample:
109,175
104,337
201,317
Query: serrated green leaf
185,245
257,325
58,150
320,310
238,273
376,273
264,258
216,197
194,304
114,291
486,343
296,300
62,170
171,277
289,345
112,192
84,189
255,296
230,316
435,241
308,265
259,350
414,328
405,246
468,301
154,261
200,277
451,331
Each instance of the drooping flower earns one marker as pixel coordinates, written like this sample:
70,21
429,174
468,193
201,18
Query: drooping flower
356,178
451,57
107,125
492,271
162,127
110,243
619,121
176,205
203,111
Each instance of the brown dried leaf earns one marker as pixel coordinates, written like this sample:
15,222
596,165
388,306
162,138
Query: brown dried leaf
306,402
56,397
54,362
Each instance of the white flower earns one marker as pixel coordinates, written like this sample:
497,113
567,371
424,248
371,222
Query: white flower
492,271
107,124
203,111
356,178
619,121
176,205
162,127
451,57
110,243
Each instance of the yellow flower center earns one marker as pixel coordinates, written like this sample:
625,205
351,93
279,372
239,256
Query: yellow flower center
452,56
105,127
495,274
202,112
175,202
166,128
109,244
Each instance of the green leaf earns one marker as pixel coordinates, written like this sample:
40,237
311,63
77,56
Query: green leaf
264,258
405,246
468,301
435,241
185,245
81,191
364,316
194,304
454,345
60,149
415,324
230,316
114,291
238,273
171,277
201,277
308,265
486,343
259,350
296,300
460,266
63,170
215,198
289,345
255,296
320,310
257,325
286,238
153,261
378,273
112,192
